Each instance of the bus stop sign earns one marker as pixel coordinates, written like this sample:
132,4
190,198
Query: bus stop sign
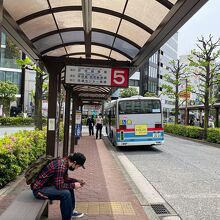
111,77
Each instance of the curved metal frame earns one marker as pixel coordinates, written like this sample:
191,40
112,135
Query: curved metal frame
83,53
81,29
82,43
79,8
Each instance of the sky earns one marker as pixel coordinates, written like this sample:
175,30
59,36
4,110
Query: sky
206,21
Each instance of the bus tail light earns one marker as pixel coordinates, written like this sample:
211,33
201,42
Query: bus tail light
158,125
122,127
122,135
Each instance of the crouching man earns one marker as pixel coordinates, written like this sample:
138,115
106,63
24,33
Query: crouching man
53,183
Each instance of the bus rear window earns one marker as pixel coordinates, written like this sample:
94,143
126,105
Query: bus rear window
139,106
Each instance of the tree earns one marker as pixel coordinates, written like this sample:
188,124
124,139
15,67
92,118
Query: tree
128,92
12,51
175,78
40,88
204,60
7,94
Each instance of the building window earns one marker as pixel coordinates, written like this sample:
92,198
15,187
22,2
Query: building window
131,82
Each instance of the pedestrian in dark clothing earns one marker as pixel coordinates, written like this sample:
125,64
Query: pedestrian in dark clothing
90,122
53,183
99,124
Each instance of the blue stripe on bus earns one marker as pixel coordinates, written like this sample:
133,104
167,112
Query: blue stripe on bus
140,140
132,135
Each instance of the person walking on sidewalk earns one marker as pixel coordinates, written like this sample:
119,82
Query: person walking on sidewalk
90,122
99,124
53,183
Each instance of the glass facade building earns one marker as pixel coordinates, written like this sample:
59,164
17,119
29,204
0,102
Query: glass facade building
152,72
9,70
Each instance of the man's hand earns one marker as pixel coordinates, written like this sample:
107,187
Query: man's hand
77,185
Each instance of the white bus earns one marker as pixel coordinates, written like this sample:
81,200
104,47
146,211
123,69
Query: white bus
134,121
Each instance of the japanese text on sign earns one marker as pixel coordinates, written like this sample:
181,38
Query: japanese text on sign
114,77
140,129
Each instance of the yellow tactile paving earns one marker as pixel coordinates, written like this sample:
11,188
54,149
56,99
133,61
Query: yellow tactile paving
116,208
106,208
83,206
127,208
93,208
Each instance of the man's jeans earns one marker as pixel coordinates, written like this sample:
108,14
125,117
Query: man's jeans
66,197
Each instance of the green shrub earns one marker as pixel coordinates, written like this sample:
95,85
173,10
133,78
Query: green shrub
9,168
16,121
17,151
213,135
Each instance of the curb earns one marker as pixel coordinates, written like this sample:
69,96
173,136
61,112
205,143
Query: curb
143,202
11,186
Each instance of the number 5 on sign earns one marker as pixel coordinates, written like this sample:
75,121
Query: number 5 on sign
119,77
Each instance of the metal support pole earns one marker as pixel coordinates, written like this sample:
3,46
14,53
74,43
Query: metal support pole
81,109
67,123
1,13
143,82
73,123
52,113
77,108
54,69
59,115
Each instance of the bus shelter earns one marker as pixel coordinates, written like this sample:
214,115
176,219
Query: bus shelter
107,37
200,108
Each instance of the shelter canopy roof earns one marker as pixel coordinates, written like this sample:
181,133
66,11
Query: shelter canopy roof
107,29
121,30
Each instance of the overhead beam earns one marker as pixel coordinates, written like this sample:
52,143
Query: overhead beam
87,62
94,99
1,11
83,53
165,3
87,25
91,92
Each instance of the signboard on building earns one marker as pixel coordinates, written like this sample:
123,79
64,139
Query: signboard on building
183,94
97,76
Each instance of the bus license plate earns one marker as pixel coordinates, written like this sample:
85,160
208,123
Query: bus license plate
156,135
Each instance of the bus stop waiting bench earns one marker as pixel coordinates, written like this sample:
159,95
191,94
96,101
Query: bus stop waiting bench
26,207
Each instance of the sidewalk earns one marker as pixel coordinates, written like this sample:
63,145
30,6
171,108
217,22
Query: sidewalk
106,195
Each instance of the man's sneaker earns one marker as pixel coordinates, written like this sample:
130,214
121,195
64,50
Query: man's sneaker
76,214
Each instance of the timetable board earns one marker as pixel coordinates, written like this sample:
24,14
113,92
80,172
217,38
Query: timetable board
97,76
